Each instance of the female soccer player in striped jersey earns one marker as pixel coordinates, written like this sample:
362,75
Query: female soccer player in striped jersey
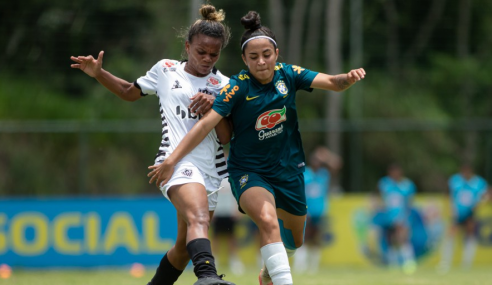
266,161
192,188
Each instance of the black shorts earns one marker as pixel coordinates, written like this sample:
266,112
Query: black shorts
462,220
316,222
223,225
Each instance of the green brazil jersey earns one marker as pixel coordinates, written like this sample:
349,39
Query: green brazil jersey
264,117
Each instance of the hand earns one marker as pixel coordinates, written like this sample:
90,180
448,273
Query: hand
201,103
160,173
88,64
355,75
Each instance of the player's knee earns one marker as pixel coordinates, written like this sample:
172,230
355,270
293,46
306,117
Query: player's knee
198,219
268,222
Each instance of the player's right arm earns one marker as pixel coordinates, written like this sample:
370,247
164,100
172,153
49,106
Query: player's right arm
222,107
93,67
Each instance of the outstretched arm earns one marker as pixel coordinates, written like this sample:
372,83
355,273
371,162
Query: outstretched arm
338,82
162,173
93,67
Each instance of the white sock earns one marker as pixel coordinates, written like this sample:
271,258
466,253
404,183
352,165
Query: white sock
290,252
469,252
276,261
447,253
300,261
314,257
392,256
407,253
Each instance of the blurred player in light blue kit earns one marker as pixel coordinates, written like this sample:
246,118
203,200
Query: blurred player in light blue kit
466,190
397,193
317,180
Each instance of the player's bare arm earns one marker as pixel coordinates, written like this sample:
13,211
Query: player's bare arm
338,82
224,131
201,103
162,173
93,67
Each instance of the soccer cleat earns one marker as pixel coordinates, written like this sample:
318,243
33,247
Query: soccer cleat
213,281
264,277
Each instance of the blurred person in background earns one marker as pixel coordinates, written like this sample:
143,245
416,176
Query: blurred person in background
466,191
224,224
397,194
192,189
322,162
266,161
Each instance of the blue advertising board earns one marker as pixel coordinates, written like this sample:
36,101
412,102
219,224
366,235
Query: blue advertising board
71,232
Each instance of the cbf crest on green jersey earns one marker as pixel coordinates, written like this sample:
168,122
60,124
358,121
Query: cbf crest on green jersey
281,87
265,122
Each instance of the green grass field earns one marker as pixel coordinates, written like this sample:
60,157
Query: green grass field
345,276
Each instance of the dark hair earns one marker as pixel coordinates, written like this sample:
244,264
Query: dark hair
252,24
394,166
210,25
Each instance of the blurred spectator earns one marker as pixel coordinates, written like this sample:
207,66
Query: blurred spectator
397,193
317,180
224,223
466,190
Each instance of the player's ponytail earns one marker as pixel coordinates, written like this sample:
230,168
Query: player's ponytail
209,12
210,25
252,23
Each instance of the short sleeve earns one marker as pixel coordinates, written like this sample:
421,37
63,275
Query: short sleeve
381,186
303,77
453,183
148,83
227,97
413,188
483,186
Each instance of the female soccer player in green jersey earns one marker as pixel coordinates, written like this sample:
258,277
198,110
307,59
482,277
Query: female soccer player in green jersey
266,161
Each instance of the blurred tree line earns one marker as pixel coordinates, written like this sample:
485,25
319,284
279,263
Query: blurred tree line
427,65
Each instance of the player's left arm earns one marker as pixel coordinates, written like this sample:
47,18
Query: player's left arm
338,82
487,197
411,196
161,173
485,192
224,130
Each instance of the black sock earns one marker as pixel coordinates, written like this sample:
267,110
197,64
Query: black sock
200,252
165,274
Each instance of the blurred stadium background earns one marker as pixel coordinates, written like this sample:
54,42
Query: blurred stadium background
73,157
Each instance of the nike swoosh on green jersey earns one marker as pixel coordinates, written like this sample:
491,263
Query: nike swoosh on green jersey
251,98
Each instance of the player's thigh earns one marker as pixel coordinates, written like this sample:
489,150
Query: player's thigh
469,225
190,201
290,198
294,224
259,204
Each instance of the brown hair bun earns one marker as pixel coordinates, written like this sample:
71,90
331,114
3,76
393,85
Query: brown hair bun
251,21
209,13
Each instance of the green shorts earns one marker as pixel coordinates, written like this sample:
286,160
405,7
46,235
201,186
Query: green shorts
289,194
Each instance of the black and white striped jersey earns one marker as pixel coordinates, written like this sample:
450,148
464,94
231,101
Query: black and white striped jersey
174,87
